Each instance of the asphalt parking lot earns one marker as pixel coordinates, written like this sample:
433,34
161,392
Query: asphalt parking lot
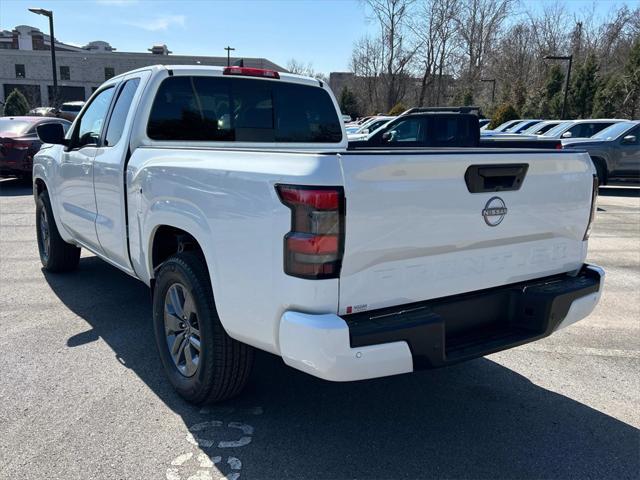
82,393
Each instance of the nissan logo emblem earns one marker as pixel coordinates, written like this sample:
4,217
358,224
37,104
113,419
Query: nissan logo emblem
494,211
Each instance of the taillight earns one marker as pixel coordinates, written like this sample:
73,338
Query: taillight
594,206
14,145
313,248
559,146
250,72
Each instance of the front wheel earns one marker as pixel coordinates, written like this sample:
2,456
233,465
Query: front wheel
202,362
56,255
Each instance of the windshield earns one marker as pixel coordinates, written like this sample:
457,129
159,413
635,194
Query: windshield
614,131
15,127
374,125
505,125
558,129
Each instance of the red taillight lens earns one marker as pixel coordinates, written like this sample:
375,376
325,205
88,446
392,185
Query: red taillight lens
559,146
14,145
250,72
313,248
594,207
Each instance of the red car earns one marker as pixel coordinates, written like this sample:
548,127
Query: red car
19,142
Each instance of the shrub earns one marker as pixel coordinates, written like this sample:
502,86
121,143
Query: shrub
16,104
504,113
397,109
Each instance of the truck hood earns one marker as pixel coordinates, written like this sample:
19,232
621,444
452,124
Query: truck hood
582,142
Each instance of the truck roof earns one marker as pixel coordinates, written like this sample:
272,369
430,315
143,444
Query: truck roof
216,70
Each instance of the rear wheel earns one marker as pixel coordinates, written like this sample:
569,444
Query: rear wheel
601,171
56,255
202,362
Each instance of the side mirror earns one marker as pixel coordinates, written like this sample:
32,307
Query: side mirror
567,135
365,131
629,139
389,136
51,133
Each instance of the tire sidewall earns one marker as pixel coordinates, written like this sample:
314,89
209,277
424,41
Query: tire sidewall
192,388
41,203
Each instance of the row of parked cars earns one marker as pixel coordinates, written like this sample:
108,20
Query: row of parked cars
613,144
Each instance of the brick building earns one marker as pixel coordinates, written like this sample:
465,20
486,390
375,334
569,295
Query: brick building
25,65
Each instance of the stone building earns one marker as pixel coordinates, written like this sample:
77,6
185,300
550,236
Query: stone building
25,65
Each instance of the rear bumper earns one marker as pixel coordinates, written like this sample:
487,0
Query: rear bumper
438,332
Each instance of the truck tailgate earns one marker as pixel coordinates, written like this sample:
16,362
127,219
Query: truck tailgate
415,231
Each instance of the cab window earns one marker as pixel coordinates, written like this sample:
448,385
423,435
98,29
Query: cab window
89,127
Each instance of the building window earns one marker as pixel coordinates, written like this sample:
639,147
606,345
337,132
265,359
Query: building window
20,73
65,73
109,73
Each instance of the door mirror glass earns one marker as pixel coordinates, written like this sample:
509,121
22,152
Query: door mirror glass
389,136
567,135
51,133
365,131
629,139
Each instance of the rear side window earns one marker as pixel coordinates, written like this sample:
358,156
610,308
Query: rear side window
120,111
242,110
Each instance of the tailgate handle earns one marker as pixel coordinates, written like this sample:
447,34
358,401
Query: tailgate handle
495,178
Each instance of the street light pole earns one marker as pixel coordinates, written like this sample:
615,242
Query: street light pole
49,13
566,82
493,88
228,49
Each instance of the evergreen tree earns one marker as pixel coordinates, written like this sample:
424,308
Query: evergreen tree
631,102
583,88
16,104
349,103
607,102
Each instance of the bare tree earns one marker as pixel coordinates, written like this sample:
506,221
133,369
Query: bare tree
434,30
392,17
366,64
306,69
479,23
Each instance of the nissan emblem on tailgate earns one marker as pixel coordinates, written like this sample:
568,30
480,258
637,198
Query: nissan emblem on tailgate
494,211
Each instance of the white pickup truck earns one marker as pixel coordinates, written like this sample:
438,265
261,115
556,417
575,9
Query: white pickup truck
233,194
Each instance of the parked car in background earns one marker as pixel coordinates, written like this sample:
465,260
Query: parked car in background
579,128
615,151
43,112
484,123
541,127
69,110
522,126
368,127
19,142
426,129
346,118
502,127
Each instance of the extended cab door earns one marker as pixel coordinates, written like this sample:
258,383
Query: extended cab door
109,166
75,197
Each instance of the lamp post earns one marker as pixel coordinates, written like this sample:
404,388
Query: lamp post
49,14
493,88
566,83
228,49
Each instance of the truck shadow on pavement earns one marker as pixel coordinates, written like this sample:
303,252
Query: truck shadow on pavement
474,420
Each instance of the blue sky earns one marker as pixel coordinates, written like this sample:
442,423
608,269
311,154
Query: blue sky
318,31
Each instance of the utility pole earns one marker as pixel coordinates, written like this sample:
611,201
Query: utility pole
566,82
229,49
49,13
493,88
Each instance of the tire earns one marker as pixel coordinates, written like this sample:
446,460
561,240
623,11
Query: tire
183,306
56,255
601,171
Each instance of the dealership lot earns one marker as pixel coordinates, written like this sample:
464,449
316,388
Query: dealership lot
82,393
